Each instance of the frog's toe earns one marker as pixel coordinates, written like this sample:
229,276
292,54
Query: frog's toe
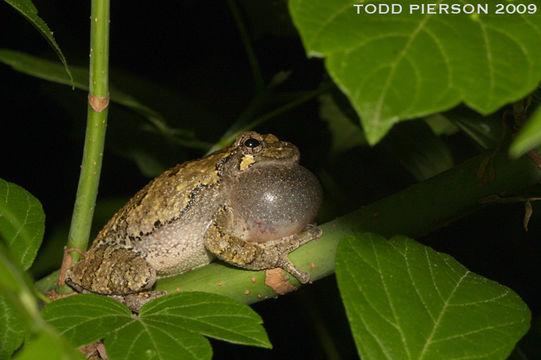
303,277
288,266
313,231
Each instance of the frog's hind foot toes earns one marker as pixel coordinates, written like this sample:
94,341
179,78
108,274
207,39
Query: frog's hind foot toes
136,301
310,232
302,276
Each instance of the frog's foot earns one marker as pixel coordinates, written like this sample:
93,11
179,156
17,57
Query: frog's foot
53,295
282,248
136,301
67,261
285,264
96,350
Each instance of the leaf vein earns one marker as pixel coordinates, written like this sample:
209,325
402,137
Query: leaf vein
391,305
441,314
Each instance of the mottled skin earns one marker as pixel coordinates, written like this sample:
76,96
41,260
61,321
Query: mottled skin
244,204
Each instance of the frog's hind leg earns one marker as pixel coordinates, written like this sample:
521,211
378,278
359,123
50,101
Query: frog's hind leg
111,270
256,256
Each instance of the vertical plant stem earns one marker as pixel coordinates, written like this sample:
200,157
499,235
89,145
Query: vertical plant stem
95,130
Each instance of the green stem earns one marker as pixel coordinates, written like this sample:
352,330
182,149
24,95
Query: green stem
95,130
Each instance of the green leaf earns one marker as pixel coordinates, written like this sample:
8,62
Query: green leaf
47,345
12,328
418,149
44,69
20,318
101,316
407,301
53,71
168,327
212,315
16,288
29,11
403,66
22,222
529,136
19,314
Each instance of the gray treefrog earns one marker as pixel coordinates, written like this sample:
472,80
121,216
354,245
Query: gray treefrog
245,204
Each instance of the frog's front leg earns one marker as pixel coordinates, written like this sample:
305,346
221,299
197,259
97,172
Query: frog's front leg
253,255
111,270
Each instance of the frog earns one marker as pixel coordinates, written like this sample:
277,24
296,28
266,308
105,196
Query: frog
249,204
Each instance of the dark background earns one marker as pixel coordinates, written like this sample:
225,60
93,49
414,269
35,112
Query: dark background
186,60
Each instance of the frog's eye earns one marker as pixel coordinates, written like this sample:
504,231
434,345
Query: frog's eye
252,143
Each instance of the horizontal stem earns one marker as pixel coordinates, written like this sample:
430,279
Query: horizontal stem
414,211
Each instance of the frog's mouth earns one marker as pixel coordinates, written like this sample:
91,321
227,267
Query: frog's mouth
274,163
286,151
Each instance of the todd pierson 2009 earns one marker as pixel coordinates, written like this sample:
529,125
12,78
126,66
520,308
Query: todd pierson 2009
445,9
